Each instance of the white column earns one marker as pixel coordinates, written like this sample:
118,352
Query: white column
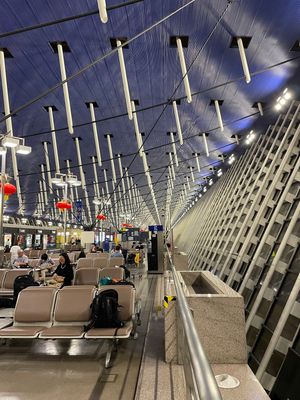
137,130
102,11
174,148
45,144
44,184
97,191
54,142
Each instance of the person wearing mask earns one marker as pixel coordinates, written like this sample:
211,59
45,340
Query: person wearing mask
21,261
117,252
64,272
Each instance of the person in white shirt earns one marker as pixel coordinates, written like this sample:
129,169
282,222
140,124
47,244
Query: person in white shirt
21,261
14,252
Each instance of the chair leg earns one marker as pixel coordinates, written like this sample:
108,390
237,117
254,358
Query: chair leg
108,354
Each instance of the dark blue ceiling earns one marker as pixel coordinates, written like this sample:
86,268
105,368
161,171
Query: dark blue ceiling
154,73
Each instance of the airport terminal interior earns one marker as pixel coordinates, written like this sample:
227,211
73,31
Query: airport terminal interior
149,199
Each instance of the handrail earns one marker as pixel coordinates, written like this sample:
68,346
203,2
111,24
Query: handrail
204,378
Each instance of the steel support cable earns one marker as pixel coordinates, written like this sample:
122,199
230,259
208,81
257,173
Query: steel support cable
66,19
174,92
261,71
93,63
188,69
156,169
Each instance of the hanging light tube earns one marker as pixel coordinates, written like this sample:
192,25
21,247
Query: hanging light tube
219,116
45,144
260,108
197,162
111,158
192,174
177,120
9,127
102,11
188,182
121,173
95,131
54,142
69,172
124,79
44,183
244,59
205,144
65,87
174,148
137,130
97,193
42,195
106,182
184,70
172,166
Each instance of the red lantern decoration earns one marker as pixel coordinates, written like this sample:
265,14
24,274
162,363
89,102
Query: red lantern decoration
101,217
9,189
63,205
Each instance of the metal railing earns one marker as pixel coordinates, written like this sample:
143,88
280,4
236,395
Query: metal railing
200,380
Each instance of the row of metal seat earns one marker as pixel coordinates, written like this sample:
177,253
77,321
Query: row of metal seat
92,276
100,262
49,313
7,279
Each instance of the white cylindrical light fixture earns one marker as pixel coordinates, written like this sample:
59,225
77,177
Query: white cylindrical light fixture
244,59
54,142
95,132
102,11
177,120
260,108
65,87
219,116
174,148
124,79
197,162
137,129
184,70
205,144
108,136
192,174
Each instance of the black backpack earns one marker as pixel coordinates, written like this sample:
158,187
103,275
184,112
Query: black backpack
105,311
21,282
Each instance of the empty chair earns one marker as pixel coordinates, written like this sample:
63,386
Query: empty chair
7,288
100,262
71,257
116,262
126,299
72,311
33,313
84,263
91,255
115,273
86,276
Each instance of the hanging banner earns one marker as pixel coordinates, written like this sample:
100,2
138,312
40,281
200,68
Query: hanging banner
78,211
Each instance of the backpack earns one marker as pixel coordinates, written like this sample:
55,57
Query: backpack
122,282
21,282
105,311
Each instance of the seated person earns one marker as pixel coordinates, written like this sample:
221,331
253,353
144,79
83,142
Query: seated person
64,272
45,262
21,261
117,252
93,249
100,250
81,254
